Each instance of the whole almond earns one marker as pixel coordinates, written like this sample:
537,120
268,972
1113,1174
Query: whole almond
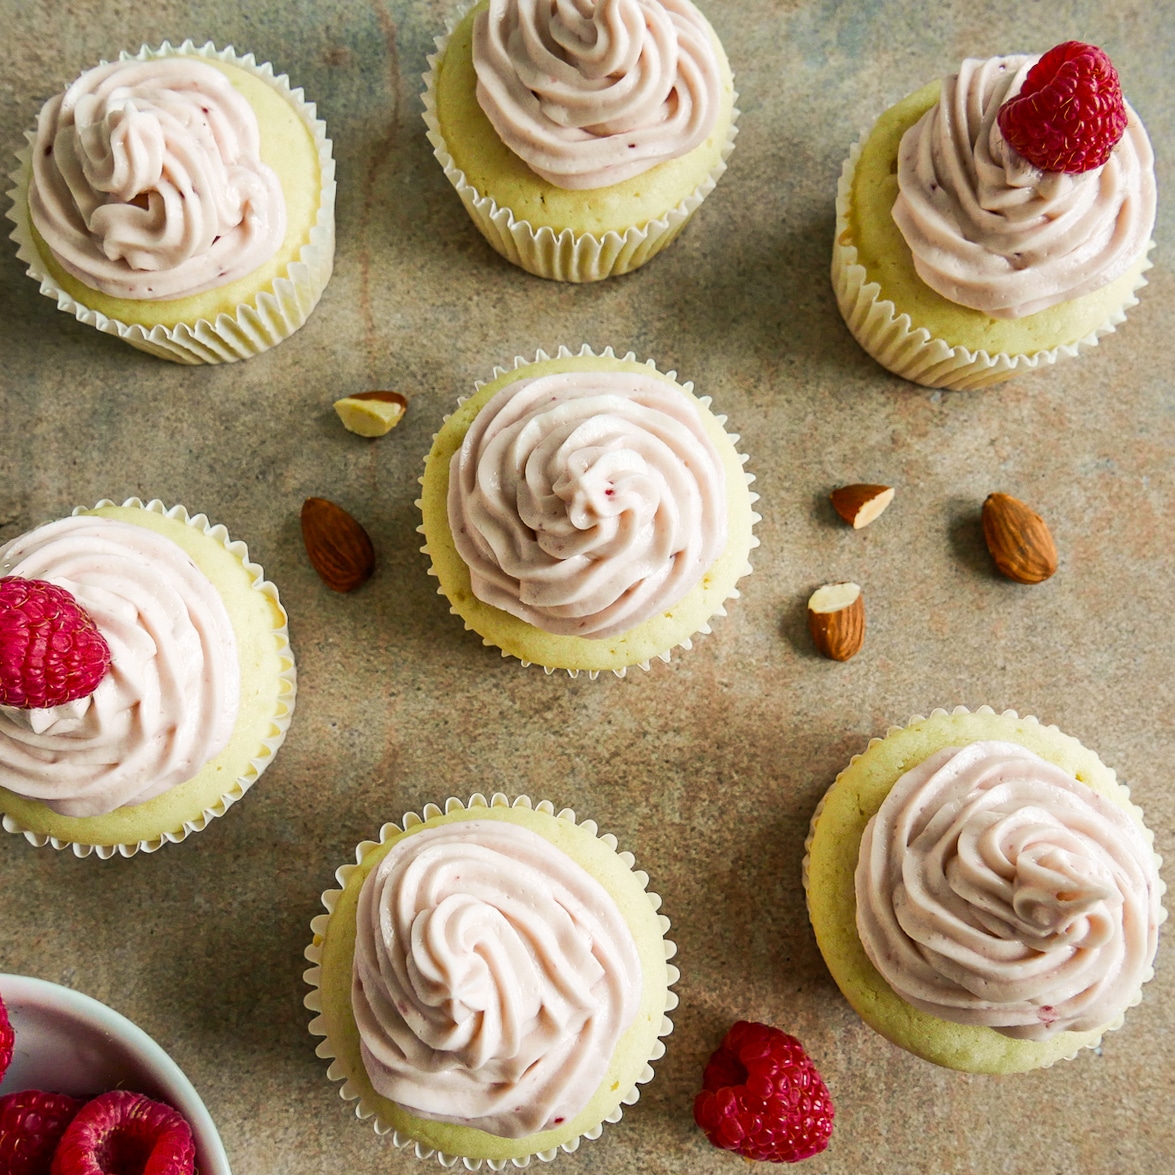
836,620
859,505
339,548
1018,539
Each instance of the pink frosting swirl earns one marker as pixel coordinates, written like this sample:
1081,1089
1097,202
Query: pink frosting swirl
589,93
995,889
587,502
493,977
147,180
990,231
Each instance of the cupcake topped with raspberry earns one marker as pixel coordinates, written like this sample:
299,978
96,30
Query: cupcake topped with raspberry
1005,211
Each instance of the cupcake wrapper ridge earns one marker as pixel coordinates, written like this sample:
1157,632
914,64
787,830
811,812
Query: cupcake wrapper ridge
912,351
274,314
279,722
665,655
327,1051
565,255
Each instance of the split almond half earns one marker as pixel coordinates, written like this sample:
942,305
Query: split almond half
836,620
339,548
371,414
859,505
1018,539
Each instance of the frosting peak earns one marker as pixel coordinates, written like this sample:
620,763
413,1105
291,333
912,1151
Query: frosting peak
147,180
587,502
493,977
589,93
993,888
990,231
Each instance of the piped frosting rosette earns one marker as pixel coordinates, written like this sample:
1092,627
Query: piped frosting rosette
994,888
197,700
984,891
491,981
586,512
588,97
145,187
989,233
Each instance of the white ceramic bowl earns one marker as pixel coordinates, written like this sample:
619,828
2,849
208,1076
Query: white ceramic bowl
69,1043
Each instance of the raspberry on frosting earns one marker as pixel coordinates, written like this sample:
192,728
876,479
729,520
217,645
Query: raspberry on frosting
1070,113
51,651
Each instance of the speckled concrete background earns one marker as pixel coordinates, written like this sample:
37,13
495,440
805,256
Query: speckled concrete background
707,768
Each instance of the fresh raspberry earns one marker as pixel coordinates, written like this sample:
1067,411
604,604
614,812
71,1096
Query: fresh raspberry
31,1124
762,1097
1069,113
7,1037
124,1133
50,649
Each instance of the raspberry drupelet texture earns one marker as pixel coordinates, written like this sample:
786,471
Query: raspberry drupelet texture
763,1098
124,1133
51,651
1070,113
31,1125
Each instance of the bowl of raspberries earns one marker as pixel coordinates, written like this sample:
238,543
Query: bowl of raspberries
83,1091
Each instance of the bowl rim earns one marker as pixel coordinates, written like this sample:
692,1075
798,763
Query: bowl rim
18,990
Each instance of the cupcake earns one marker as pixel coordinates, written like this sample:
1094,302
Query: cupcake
980,234
580,138
180,713
983,891
491,982
181,199
586,513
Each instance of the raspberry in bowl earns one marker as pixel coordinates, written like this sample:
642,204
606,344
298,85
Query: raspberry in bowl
67,1043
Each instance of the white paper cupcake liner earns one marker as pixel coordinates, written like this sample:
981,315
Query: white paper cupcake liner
1124,794
911,351
327,1051
561,255
274,313
685,643
279,720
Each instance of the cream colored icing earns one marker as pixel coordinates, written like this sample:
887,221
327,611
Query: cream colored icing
169,701
995,889
147,180
589,93
587,502
493,977
990,231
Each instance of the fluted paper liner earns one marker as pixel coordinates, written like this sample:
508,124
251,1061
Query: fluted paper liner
911,351
1117,792
561,255
328,1050
685,642
279,722
274,313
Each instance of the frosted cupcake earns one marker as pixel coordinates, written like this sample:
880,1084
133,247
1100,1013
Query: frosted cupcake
984,892
581,138
960,259
181,199
491,982
586,513
195,699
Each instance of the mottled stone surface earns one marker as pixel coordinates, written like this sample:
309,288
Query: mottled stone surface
707,768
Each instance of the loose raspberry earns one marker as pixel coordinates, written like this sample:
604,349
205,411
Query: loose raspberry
124,1133
1069,113
762,1097
50,649
31,1124
7,1037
